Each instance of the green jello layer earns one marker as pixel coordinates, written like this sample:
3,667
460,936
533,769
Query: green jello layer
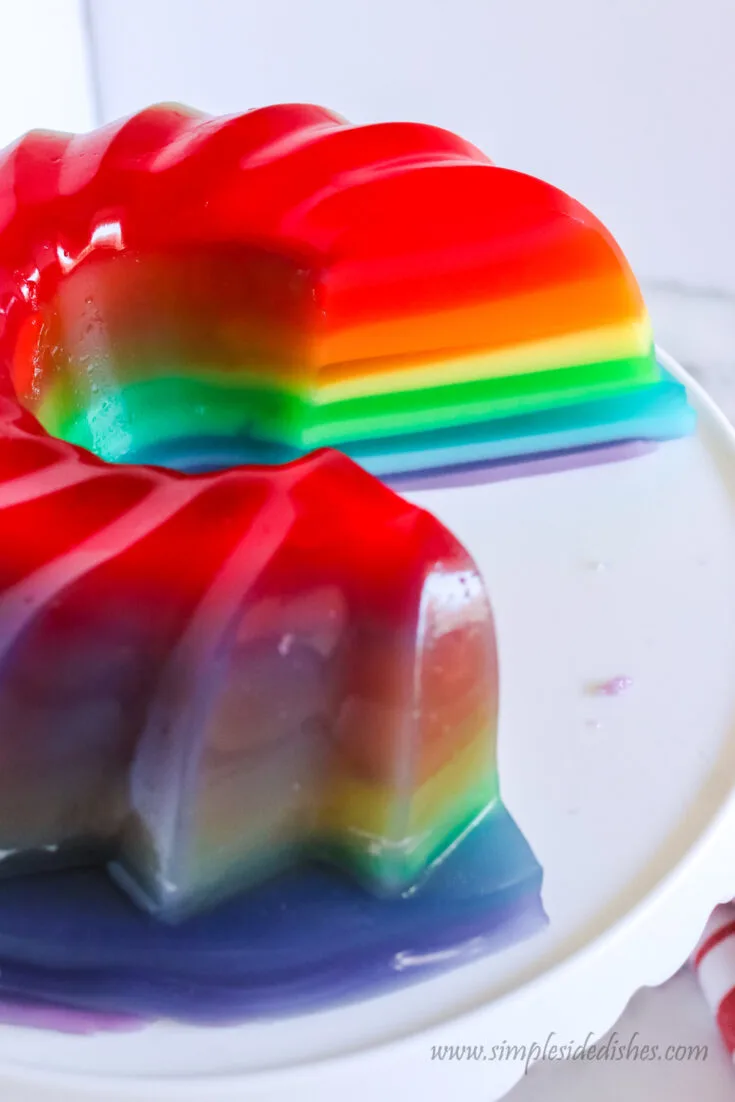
480,400
119,421
403,864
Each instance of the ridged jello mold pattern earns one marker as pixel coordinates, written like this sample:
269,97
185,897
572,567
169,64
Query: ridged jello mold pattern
205,291
212,671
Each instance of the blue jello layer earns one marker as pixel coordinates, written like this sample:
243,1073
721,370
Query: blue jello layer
659,411
309,939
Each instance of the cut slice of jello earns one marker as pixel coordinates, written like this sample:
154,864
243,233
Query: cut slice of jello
212,291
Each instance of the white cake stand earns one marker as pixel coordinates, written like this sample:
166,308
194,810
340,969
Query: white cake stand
619,570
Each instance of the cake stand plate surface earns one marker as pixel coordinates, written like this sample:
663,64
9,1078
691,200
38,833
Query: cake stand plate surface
619,571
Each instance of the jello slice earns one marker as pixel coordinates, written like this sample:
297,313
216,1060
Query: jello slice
299,282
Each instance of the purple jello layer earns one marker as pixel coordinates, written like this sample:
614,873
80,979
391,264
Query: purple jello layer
310,939
63,1019
477,474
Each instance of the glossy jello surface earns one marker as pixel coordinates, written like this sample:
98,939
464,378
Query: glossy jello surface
205,675
211,291
208,679
260,701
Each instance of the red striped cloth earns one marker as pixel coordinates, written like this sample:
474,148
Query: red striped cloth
713,961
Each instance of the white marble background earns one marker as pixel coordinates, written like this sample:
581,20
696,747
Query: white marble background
697,326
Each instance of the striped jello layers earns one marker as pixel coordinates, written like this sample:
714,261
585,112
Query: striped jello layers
215,291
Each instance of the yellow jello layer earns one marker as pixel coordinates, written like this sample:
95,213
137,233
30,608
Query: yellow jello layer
611,342
377,817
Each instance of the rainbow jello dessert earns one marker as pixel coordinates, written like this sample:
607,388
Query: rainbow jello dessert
206,679
216,291
242,680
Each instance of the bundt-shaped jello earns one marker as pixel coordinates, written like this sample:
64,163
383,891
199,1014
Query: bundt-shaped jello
207,677
209,291
211,671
